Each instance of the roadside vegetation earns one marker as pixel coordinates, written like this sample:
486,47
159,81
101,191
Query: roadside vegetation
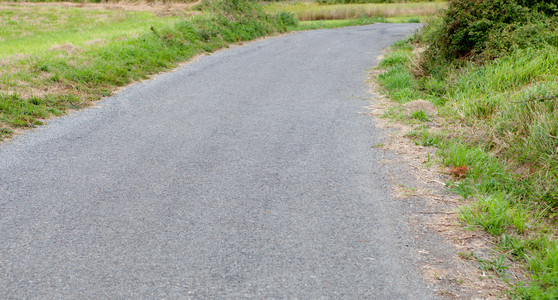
491,68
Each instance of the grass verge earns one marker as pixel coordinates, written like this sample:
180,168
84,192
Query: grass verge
36,86
497,125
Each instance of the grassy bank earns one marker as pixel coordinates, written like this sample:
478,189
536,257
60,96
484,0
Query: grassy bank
307,11
498,121
35,84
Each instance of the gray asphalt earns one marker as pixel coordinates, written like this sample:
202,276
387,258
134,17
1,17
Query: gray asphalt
249,173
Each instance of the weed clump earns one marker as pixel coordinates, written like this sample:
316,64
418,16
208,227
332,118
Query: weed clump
226,22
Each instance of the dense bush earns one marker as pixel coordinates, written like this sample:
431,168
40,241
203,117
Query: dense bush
467,25
233,8
486,29
549,7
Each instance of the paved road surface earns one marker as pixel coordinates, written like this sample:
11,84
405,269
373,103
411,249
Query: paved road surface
246,174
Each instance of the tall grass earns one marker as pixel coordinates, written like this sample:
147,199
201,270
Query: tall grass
515,99
306,11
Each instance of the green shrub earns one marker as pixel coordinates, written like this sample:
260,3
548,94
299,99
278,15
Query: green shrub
286,19
538,34
233,9
467,25
480,30
549,7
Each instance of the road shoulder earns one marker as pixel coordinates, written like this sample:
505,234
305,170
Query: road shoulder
419,183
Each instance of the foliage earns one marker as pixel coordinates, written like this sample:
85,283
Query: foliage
100,1
467,25
480,30
549,7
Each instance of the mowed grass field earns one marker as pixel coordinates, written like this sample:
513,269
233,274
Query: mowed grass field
46,47
34,28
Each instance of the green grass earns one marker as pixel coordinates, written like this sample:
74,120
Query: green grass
308,11
399,82
421,116
34,29
504,120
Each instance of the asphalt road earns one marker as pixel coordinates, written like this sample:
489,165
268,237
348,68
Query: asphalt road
249,173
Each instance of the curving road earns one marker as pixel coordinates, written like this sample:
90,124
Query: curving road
248,173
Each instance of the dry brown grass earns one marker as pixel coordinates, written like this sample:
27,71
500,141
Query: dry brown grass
157,7
313,11
357,12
